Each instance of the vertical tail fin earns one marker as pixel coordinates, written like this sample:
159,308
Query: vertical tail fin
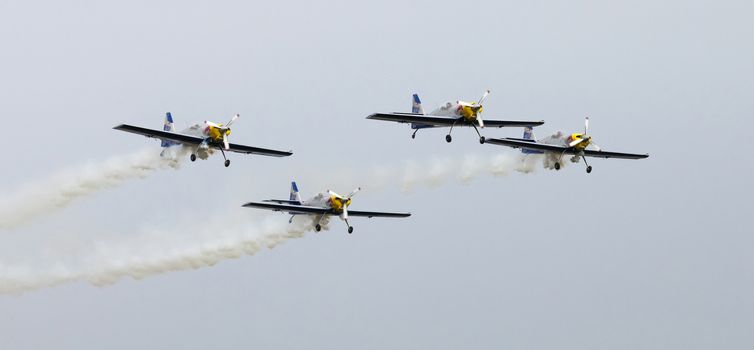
528,133
295,196
529,136
168,126
416,108
416,105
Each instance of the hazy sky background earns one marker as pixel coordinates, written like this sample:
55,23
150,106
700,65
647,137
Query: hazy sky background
650,254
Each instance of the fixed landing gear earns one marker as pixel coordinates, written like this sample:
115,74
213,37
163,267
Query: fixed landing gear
350,230
193,157
557,165
448,138
413,136
588,167
227,161
481,138
317,228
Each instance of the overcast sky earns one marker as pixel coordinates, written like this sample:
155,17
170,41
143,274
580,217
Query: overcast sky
650,254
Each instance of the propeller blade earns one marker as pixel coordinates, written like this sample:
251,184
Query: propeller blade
354,192
225,141
480,120
212,124
596,146
344,214
232,120
334,194
575,142
586,125
484,97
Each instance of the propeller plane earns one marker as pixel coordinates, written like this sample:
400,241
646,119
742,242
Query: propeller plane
580,145
320,207
451,114
202,139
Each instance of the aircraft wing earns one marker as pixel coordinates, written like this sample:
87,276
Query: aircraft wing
436,121
604,154
159,134
527,145
291,208
524,144
256,150
193,140
377,214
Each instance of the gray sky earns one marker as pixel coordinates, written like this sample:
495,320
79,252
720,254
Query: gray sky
651,254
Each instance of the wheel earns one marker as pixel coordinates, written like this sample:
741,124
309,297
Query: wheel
588,169
413,136
557,166
481,140
227,163
318,228
193,157
350,230
448,138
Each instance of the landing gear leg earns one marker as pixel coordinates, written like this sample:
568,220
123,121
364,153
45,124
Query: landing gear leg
227,161
588,167
560,159
447,137
413,136
350,228
481,138
317,226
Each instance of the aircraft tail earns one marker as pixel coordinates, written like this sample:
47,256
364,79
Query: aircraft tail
416,105
416,108
168,126
529,136
295,196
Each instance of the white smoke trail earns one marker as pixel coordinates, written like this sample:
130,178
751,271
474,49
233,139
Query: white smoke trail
439,171
230,237
152,255
63,187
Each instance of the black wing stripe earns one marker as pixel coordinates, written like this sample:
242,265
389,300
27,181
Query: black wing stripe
288,208
377,214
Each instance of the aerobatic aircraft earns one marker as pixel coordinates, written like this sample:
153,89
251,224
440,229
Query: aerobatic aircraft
320,207
201,139
451,114
579,145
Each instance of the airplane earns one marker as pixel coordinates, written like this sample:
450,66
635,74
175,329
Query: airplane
555,146
460,113
322,205
202,139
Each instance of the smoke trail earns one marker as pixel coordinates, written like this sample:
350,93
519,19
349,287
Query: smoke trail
62,188
230,236
150,255
439,171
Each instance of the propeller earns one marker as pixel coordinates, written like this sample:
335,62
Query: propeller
584,137
224,129
344,213
479,114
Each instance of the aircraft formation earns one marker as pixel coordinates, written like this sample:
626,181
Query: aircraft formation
204,139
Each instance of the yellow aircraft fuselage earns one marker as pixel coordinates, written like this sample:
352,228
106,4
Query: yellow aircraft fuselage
216,134
337,203
469,112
